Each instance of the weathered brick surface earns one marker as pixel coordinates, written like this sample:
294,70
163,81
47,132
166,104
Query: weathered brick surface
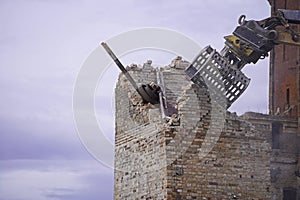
284,156
284,100
285,70
213,154
138,152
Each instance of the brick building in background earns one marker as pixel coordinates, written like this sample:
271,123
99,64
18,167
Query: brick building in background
284,95
284,90
253,156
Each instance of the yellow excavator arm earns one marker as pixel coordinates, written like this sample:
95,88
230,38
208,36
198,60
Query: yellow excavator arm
250,41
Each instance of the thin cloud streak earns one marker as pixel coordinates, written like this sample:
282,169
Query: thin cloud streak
56,179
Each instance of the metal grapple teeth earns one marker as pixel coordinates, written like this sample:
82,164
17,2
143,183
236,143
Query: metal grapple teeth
224,80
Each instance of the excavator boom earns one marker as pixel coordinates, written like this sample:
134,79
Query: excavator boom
250,41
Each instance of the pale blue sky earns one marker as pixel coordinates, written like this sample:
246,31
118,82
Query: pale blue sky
43,44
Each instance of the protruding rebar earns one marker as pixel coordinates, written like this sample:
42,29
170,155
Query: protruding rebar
120,65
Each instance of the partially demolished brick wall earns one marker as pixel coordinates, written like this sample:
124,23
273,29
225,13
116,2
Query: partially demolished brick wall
212,154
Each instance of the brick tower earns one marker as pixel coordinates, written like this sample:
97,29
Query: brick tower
203,153
285,71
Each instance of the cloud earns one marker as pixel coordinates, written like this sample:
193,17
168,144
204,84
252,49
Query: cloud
35,139
56,179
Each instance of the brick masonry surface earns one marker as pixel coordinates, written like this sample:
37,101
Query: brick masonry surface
284,92
210,154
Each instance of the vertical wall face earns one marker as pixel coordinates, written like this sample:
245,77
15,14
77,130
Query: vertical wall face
284,99
140,171
285,70
238,165
282,136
